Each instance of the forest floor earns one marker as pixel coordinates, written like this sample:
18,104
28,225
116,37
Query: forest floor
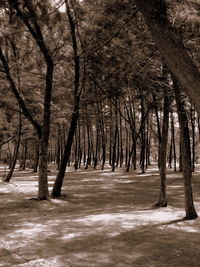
106,219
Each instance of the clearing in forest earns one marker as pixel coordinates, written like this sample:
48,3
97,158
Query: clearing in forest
105,219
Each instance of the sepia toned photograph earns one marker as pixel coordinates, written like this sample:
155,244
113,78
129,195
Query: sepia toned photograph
99,133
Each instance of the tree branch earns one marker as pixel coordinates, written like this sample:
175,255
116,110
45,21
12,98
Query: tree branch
16,93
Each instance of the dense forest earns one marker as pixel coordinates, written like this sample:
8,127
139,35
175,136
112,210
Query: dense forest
100,133
95,83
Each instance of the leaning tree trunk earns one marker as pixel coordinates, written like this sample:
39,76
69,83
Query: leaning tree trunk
186,152
56,191
171,47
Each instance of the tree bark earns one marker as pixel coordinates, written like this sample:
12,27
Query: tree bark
36,160
171,48
185,152
56,191
24,156
44,140
8,177
162,202
173,139
143,136
192,118
158,127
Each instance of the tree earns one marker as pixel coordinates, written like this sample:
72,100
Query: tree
77,93
185,150
162,202
15,154
171,47
28,16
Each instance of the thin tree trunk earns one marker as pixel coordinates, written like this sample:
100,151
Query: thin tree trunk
36,161
121,142
186,152
79,146
162,201
170,153
89,145
173,140
158,128
180,155
143,136
114,148
192,118
24,156
76,151
58,146
43,191
8,177
84,146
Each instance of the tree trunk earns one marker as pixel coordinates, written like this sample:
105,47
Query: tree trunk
192,118
148,143
79,147
36,161
171,48
158,128
143,136
114,148
24,156
185,152
90,145
173,140
84,146
128,164
75,151
162,202
56,191
43,192
58,146
121,142
180,155
170,153
8,177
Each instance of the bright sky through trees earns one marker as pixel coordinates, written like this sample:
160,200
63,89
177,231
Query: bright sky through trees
60,4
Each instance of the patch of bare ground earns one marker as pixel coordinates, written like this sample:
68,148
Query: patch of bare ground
104,219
